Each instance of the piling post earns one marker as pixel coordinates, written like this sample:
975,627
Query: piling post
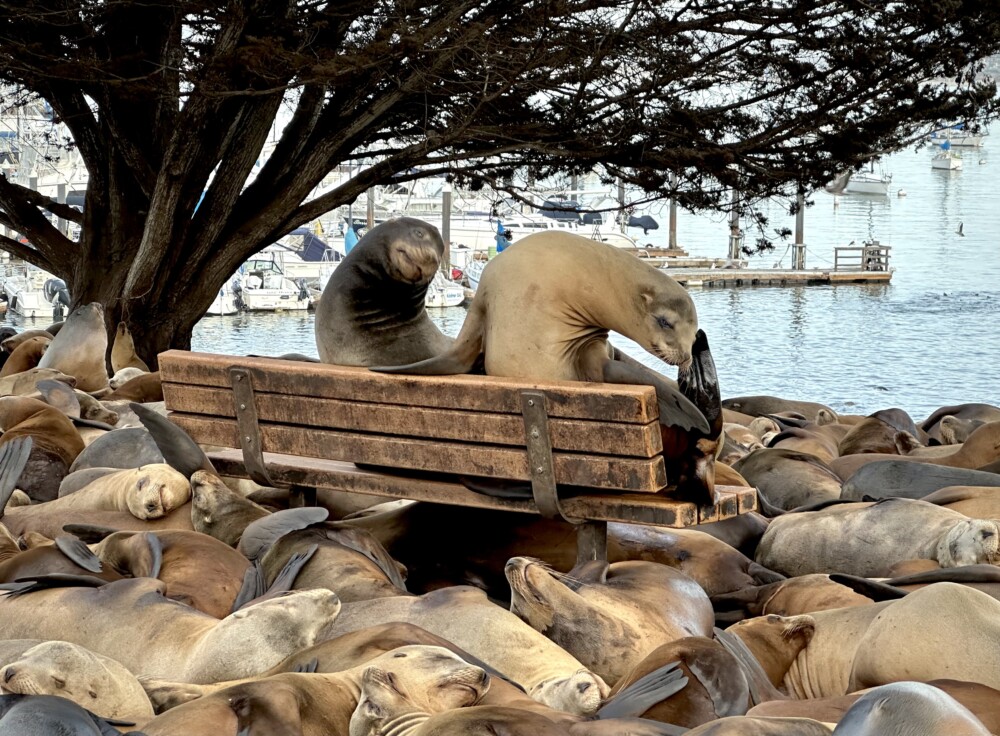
371,209
734,228
673,211
61,198
446,226
799,250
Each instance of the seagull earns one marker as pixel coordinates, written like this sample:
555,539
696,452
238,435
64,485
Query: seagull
959,231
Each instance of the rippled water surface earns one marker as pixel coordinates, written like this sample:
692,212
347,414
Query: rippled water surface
928,339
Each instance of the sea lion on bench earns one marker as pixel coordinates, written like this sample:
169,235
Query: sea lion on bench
543,311
372,310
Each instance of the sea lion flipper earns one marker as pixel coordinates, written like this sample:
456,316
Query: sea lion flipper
13,457
761,688
52,580
460,358
75,550
262,533
253,586
676,409
591,572
286,578
60,396
699,382
179,450
309,667
873,589
147,559
89,533
645,692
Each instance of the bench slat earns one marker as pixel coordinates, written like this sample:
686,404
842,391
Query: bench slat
654,509
565,399
572,435
643,475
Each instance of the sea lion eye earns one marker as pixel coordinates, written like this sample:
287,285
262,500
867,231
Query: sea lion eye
59,683
664,323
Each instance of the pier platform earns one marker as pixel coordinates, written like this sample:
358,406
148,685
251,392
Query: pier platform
775,277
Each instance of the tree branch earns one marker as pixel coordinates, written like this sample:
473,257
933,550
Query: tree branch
25,253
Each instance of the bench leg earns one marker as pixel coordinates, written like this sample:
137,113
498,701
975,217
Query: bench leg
299,496
592,541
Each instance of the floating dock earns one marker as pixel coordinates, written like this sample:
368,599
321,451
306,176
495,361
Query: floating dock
775,277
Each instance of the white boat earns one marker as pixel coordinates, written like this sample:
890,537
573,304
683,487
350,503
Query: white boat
32,292
474,271
869,182
947,160
224,303
443,292
957,137
261,286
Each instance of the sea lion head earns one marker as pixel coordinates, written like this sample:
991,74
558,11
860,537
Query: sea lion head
219,511
72,672
669,321
415,679
272,629
580,694
413,249
158,490
970,542
775,641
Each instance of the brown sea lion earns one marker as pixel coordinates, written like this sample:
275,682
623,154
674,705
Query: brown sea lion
123,351
26,382
372,310
123,376
792,597
46,558
53,523
977,502
197,569
25,356
80,347
69,671
965,412
902,708
755,726
10,344
154,636
55,443
609,616
982,701
868,538
758,406
529,321
788,479
144,389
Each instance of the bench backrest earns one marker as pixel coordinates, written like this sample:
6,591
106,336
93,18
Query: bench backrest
603,436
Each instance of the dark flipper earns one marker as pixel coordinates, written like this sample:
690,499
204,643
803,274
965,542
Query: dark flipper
309,667
89,533
178,449
54,580
869,588
253,586
13,457
676,409
963,574
461,357
254,583
75,550
285,579
147,563
761,688
261,534
645,692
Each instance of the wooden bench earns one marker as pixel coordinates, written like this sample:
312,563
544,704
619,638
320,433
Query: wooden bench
591,452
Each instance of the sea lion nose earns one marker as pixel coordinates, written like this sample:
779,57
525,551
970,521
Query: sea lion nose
8,674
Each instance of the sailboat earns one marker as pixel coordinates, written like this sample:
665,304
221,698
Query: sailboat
869,182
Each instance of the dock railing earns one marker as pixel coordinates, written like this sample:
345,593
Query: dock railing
869,257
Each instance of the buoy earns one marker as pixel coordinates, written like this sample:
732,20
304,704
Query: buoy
901,193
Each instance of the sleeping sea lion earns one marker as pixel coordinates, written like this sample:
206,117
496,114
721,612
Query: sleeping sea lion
543,311
372,310
25,356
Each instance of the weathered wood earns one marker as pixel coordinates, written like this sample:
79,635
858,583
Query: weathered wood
565,399
643,475
572,435
639,508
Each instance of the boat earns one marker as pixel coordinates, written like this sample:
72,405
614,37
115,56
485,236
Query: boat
33,292
956,136
262,286
473,272
947,160
224,302
869,182
443,292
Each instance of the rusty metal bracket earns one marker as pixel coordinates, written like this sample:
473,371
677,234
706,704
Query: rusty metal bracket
592,542
540,464
249,429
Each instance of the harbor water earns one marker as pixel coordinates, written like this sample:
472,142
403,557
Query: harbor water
930,338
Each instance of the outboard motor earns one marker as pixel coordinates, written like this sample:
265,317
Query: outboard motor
56,294
303,289
238,296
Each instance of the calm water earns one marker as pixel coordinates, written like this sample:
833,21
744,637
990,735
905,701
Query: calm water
930,338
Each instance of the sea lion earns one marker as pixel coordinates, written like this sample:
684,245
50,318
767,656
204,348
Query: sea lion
95,682
529,321
716,685
792,597
123,351
26,382
77,405
609,616
10,344
82,478
154,636
25,356
816,442
871,435
788,478
835,652
372,310
120,378
56,443
144,389
756,726
197,569
904,479
463,615
977,502
868,538
758,406
80,347
982,701
965,412
43,557
30,715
